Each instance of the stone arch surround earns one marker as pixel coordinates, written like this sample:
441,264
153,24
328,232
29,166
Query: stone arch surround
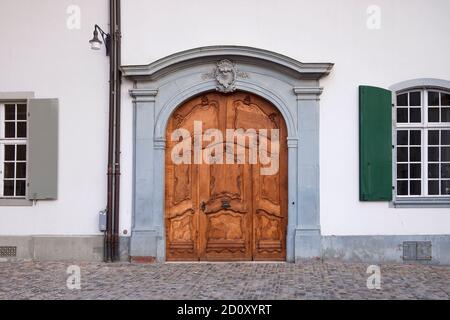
291,86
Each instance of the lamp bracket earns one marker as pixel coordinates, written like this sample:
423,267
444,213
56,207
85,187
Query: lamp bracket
106,38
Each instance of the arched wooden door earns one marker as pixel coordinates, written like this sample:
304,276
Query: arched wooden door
225,210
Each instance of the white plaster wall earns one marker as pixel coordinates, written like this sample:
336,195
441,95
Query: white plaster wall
413,42
38,53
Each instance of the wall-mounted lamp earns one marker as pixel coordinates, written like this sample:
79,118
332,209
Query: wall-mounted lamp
96,43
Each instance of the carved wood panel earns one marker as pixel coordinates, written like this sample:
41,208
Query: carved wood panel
223,211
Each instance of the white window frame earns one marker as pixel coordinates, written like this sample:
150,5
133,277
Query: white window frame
22,97
11,141
423,85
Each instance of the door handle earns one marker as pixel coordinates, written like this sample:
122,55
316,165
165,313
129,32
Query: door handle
203,206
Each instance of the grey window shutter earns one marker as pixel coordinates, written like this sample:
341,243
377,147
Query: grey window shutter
42,156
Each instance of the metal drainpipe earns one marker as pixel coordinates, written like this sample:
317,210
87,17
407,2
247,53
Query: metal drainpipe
118,80
110,172
111,252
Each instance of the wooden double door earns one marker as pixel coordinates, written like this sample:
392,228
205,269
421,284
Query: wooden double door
223,211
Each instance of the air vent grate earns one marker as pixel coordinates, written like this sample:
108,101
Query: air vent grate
8,251
416,250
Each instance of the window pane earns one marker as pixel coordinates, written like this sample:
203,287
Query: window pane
20,187
433,98
445,137
415,171
21,152
433,137
21,112
21,129
402,115
445,170
445,115
433,187
402,154
433,154
10,112
402,99
414,115
445,99
445,187
21,170
402,171
9,169
8,188
433,171
402,188
445,154
415,188
402,137
415,99
10,129
414,138
433,115
414,154
10,152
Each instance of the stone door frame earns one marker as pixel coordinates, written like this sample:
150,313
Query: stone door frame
291,86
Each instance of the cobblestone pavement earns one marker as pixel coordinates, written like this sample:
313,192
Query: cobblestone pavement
310,280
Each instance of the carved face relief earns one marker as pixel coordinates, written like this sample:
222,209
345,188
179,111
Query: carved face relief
225,75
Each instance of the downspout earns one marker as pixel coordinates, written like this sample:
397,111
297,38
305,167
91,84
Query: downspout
110,172
118,82
111,252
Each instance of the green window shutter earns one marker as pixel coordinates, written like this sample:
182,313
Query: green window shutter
42,156
375,144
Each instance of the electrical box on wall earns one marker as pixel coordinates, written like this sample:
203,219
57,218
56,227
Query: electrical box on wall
102,220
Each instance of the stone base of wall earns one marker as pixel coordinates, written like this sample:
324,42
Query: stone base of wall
383,249
367,249
60,248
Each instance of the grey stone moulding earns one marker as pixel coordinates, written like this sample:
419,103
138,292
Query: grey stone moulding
291,86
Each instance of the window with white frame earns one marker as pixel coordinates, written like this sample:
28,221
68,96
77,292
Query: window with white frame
422,129
13,149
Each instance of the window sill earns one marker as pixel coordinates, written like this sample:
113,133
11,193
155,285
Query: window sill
11,202
421,203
